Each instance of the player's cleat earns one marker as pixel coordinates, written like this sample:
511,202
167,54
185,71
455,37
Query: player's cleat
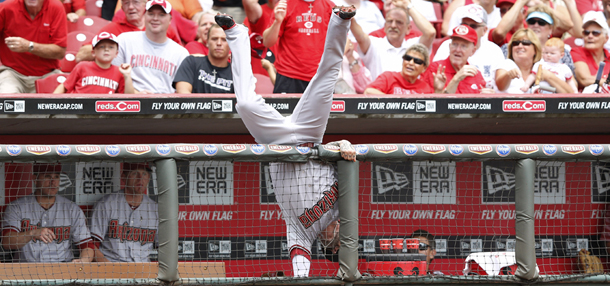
345,12
224,21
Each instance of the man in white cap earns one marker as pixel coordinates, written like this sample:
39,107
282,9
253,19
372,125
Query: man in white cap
488,55
588,58
154,58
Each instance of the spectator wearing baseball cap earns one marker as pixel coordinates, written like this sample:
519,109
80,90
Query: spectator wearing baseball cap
453,15
461,76
513,19
588,58
154,58
474,16
99,76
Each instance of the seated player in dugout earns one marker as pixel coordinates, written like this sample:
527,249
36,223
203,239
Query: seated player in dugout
124,225
43,226
427,246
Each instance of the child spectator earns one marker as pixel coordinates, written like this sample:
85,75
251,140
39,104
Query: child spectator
552,52
99,76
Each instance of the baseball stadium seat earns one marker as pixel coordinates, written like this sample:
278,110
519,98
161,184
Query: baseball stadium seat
91,24
77,39
49,83
68,62
263,84
94,7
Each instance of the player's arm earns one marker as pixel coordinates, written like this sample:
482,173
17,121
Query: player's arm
99,256
347,150
86,255
271,34
16,240
60,89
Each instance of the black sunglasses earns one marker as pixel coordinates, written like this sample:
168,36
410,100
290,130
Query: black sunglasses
594,32
423,246
415,60
524,42
472,25
539,21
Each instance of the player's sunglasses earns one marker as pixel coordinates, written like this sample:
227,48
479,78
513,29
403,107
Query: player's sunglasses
594,32
423,246
415,60
526,43
539,21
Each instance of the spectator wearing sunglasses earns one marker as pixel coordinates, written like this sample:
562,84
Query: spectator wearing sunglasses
461,76
414,63
452,15
524,50
474,16
384,54
427,246
588,58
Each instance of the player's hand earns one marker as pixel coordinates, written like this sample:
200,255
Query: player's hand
347,151
17,44
125,69
72,17
440,79
280,10
46,235
466,71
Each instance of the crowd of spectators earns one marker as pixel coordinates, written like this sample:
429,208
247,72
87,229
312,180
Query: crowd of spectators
501,46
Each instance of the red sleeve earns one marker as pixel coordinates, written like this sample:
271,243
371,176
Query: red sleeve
6,231
381,82
427,75
59,26
89,244
73,77
77,5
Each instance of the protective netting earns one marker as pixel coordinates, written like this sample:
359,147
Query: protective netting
418,218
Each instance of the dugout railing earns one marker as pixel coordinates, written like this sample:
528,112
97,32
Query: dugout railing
164,157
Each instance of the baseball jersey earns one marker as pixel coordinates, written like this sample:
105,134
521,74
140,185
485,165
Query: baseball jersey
154,65
126,235
88,77
49,27
394,83
487,50
301,38
470,84
64,218
204,77
382,56
562,71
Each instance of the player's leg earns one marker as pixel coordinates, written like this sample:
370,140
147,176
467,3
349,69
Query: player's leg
265,124
311,114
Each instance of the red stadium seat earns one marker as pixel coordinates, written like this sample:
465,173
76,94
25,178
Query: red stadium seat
263,84
68,62
438,24
94,7
91,24
574,42
77,39
435,45
48,84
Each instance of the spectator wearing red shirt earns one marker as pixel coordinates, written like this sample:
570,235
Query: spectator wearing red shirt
588,58
133,20
200,45
415,61
460,76
33,39
585,6
258,19
74,9
299,29
513,16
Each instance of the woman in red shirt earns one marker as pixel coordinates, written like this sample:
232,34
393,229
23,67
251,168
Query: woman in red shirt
415,61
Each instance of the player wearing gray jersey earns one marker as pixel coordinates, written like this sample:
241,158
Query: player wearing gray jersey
125,224
154,58
42,226
306,192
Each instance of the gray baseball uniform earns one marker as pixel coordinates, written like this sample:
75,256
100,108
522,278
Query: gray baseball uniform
154,65
64,218
306,192
126,235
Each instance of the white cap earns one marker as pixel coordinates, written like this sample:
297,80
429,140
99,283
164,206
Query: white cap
103,36
474,12
597,17
164,4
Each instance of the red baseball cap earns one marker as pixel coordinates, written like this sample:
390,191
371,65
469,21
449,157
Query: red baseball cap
164,4
256,44
103,36
512,2
465,32
47,168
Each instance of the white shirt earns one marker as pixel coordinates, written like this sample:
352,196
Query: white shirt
368,16
487,58
516,83
426,8
493,19
154,65
382,56
562,71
